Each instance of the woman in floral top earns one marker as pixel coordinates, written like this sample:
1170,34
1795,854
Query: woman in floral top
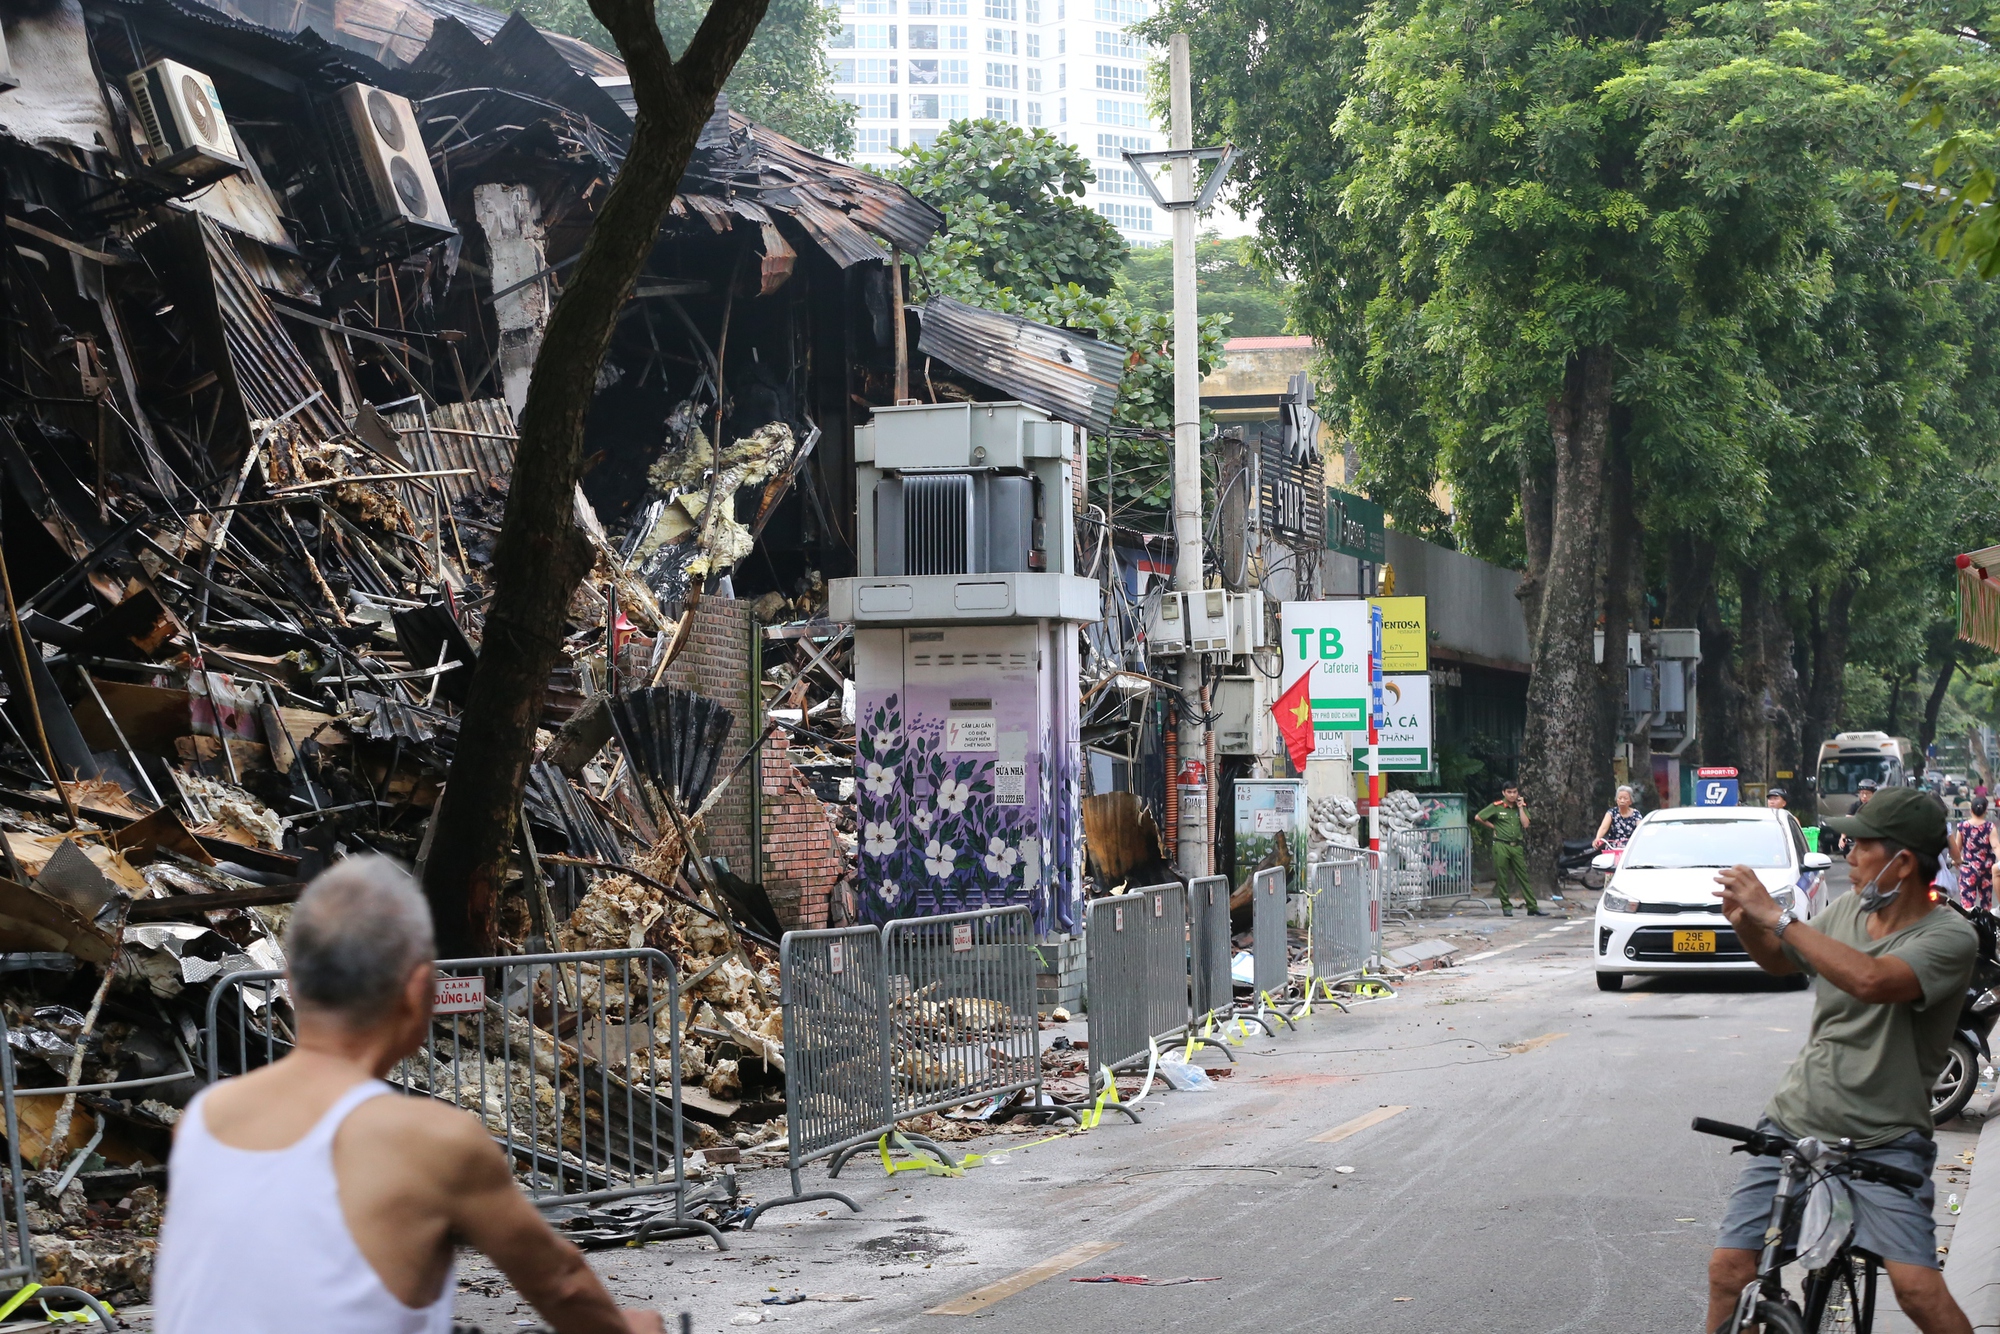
1618,822
1974,845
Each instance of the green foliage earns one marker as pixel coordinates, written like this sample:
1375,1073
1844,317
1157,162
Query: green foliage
1227,282
1949,198
1017,240
783,79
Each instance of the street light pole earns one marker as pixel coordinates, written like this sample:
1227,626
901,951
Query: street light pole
1196,842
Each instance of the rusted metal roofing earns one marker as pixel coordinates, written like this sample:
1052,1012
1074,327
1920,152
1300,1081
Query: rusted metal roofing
851,213
276,381
1068,375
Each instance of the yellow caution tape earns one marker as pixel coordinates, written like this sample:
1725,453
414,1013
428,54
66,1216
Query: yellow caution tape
14,1303
920,1160
1089,1120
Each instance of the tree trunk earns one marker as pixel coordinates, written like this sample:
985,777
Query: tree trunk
1538,488
1753,703
1715,739
1827,692
1932,706
1621,556
1895,720
541,554
1561,755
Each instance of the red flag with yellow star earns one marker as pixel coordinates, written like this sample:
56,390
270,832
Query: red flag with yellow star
1295,720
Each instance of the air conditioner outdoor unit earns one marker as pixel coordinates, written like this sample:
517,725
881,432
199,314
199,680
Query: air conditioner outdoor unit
385,167
183,120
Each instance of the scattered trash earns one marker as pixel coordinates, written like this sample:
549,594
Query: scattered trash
1343,1170
1186,1077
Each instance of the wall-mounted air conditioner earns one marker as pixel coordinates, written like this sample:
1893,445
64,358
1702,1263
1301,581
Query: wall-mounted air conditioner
385,167
958,523
185,129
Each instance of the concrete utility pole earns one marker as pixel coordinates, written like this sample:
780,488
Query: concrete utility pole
1196,843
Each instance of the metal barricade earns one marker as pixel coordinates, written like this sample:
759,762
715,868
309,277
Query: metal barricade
1340,932
961,997
571,1061
1208,910
1269,943
837,1077
1137,975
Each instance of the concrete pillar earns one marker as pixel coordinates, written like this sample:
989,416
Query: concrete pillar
510,215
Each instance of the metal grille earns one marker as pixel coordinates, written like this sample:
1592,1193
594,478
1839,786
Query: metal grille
938,524
1166,959
961,1008
1208,910
569,1060
1118,951
836,1041
1433,864
1267,932
1340,935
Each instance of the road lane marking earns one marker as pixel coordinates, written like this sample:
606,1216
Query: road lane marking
1356,1126
1527,1045
1490,953
972,1303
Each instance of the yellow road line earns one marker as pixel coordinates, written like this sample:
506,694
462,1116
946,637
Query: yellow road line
1356,1126
972,1303
1529,1044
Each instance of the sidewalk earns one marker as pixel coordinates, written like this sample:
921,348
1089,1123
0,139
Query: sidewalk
1972,1264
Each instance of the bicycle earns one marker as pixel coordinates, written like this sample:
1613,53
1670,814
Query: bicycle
1841,1280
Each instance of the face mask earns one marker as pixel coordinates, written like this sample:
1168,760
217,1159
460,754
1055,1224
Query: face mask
1873,899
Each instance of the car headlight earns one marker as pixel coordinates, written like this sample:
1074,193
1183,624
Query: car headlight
1784,898
1613,901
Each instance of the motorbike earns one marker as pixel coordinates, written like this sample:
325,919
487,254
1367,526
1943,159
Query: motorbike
1971,1048
1581,860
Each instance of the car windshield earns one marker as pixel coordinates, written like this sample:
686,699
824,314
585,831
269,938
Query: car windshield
1842,778
1664,845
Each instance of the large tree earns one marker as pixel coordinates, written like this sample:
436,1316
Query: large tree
1617,273
783,79
542,554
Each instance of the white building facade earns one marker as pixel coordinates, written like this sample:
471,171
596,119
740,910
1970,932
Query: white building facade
910,67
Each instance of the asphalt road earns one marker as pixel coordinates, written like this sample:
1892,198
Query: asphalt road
1539,1177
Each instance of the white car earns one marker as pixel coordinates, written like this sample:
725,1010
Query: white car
1659,913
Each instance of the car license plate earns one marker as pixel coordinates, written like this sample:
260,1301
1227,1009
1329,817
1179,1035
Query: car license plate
1694,942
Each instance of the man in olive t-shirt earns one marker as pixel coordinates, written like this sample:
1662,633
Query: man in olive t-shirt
1890,969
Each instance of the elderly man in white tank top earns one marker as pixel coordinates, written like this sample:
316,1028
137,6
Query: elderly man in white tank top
305,1200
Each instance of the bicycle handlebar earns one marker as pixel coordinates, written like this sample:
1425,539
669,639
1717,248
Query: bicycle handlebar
1768,1145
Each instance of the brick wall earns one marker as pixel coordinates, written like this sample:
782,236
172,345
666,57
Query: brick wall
801,857
716,662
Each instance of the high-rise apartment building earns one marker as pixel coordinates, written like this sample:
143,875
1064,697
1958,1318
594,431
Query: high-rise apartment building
910,67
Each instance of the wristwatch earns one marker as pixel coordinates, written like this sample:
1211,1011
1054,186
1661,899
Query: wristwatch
1785,919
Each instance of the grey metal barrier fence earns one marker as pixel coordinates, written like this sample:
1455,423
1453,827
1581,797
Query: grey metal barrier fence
571,1061
1208,910
1439,864
1269,943
837,1078
961,997
1340,934
1133,990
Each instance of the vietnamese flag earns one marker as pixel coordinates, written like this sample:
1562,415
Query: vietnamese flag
1295,720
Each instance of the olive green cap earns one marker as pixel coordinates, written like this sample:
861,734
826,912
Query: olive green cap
1903,815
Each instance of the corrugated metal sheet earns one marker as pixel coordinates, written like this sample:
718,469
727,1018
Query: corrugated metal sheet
275,380
850,212
477,435
1068,375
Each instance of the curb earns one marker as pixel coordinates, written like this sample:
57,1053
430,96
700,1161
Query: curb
1972,1273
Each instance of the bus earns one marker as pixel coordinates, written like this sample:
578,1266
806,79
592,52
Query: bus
1853,756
